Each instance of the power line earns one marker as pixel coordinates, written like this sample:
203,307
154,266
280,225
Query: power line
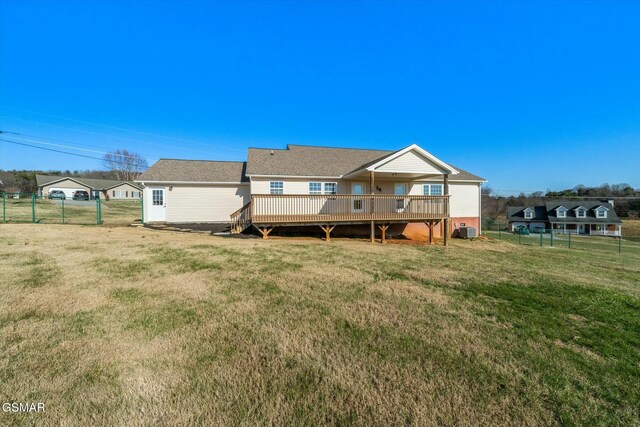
58,151
60,145
124,138
155,135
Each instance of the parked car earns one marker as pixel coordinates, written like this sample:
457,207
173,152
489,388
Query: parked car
57,194
521,229
81,195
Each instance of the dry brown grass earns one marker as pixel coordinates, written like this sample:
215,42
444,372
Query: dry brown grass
127,326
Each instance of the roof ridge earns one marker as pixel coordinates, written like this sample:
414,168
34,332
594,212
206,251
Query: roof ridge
322,146
340,148
199,160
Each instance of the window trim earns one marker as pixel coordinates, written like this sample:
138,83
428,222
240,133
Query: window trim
427,189
271,187
561,212
602,211
324,187
529,213
584,212
315,192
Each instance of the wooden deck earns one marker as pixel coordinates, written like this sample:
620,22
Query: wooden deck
266,211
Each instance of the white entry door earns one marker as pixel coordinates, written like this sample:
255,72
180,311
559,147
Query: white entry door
357,188
157,206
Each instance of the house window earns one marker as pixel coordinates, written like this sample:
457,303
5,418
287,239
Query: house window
315,188
135,194
581,213
432,190
561,212
330,188
601,213
276,187
157,197
528,214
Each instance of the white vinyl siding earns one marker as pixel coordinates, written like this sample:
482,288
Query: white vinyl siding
411,162
464,200
193,204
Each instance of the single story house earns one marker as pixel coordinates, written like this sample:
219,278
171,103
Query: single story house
316,186
102,188
562,216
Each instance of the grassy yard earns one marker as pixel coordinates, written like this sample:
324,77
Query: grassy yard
124,326
79,212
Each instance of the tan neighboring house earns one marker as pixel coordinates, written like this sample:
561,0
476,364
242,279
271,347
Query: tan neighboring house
302,186
102,188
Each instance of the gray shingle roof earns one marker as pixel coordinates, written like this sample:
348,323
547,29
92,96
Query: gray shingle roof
174,170
547,212
611,218
516,213
302,160
96,184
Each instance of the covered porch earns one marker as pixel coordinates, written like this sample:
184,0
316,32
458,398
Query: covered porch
389,191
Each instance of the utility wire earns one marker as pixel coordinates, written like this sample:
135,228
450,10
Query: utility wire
58,151
62,146
124,138
155,135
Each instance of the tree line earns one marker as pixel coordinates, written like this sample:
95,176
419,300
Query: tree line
626,199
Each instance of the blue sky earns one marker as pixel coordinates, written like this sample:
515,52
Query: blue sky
530,95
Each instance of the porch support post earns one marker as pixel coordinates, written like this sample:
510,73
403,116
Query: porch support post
265,231
372,182
446,219
430,226
327,229
383,229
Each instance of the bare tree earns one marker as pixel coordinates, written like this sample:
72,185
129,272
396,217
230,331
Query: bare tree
125,164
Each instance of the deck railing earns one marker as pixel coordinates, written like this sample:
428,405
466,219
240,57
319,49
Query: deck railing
241,219
328,208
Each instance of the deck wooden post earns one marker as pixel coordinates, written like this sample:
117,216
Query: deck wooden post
447,231
383,229
265,231
430,226
327,229
372,183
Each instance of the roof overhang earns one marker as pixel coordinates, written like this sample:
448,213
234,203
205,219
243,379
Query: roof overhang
64,179
413,147
150,181
118,185
292,176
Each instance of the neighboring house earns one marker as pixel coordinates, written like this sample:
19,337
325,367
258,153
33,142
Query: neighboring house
574,217
316,186
103,188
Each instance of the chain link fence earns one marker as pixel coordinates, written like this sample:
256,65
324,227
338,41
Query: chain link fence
32,208
558,239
